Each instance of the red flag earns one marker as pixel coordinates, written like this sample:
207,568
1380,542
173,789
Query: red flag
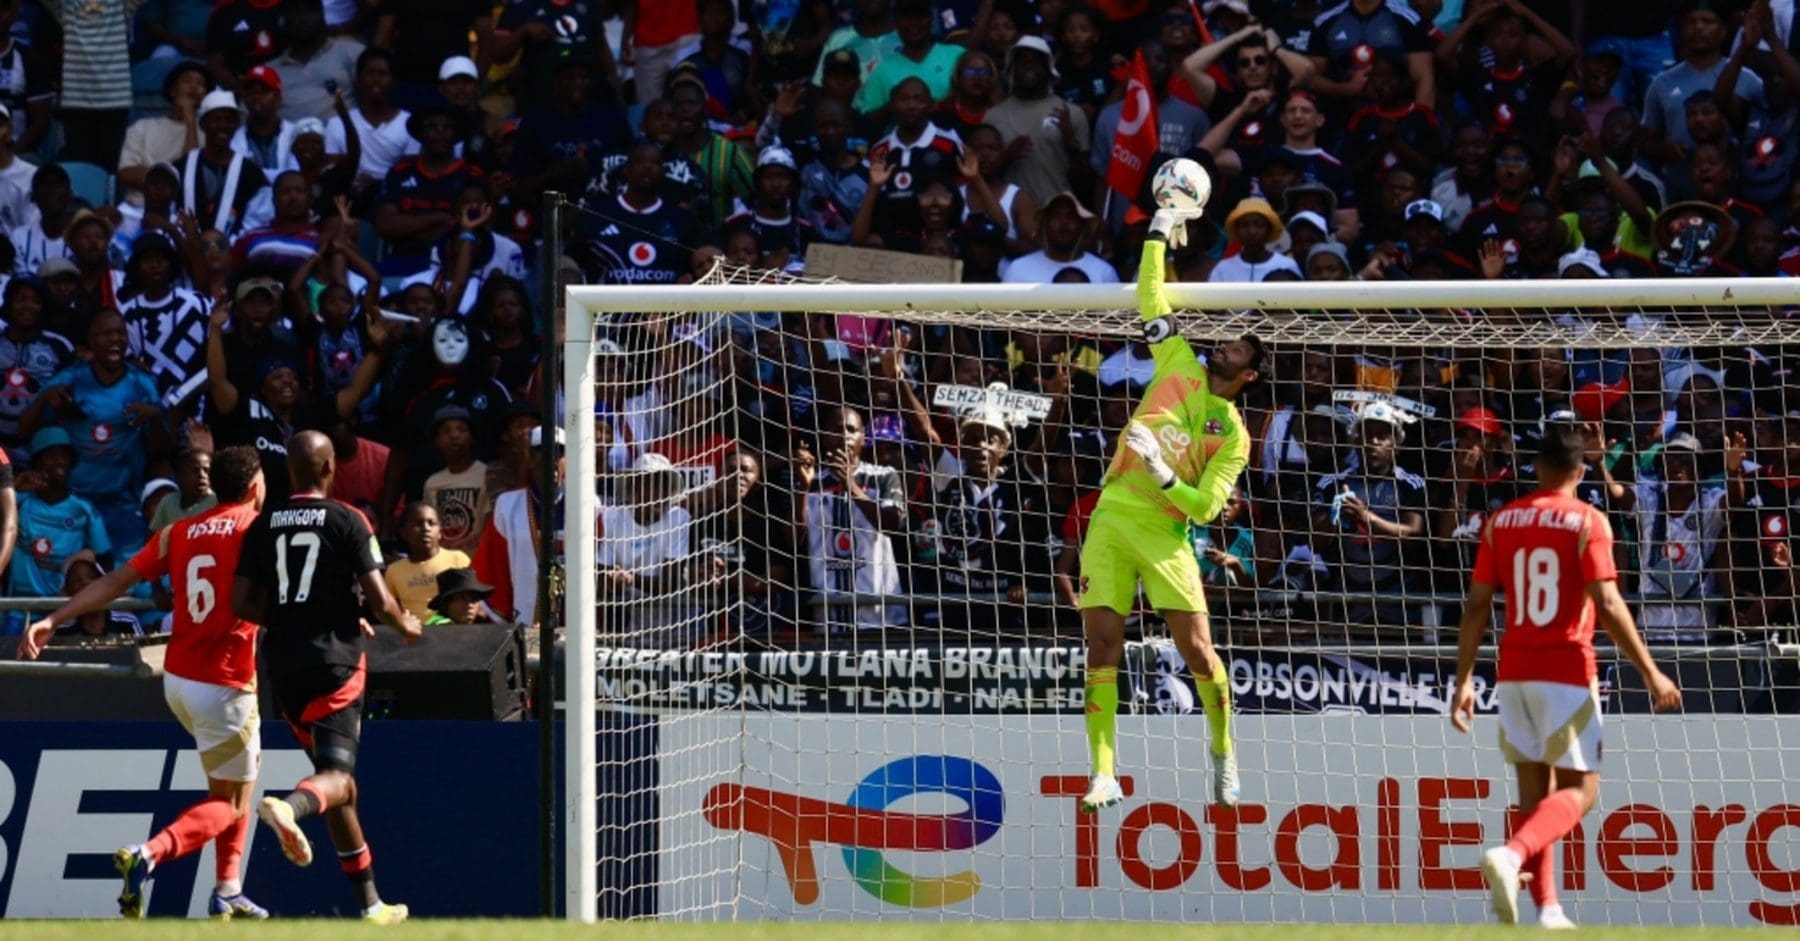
1200,23
1135,141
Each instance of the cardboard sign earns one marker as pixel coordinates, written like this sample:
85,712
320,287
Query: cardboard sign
969,399
875,266
1400,402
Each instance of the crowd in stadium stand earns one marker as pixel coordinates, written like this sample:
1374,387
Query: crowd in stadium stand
228,221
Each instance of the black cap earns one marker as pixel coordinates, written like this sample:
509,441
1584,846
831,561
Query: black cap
980,228
913,8
436,109
180,68
520,406
843,59
150,243
571,56
450,413
453,582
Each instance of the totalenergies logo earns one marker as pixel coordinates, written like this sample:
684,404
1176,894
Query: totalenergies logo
864,827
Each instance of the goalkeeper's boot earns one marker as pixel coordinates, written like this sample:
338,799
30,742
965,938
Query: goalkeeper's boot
1103,791
227,907
280,817
134,868
386,913
1225,780
1500,867
1552,918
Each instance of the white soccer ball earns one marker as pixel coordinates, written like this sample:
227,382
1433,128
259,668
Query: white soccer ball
1181,184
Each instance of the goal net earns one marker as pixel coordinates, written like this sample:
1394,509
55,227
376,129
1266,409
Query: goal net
825,660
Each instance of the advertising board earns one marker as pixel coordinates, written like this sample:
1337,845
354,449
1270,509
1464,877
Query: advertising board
1345,818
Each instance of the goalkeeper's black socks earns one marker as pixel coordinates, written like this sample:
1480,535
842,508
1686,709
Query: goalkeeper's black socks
359,866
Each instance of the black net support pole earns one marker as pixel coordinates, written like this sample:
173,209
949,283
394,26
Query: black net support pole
549,381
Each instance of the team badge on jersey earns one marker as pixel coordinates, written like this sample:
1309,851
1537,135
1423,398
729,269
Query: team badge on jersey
1214,426
102,433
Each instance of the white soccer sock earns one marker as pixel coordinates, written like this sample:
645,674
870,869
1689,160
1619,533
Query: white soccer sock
227,890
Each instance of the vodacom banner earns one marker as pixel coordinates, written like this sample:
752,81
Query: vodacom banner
1344,819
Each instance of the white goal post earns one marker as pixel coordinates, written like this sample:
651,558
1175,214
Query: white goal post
1510,314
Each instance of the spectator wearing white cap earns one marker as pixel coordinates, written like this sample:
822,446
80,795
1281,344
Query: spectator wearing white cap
1581,263
327,175
155,494
459,85
265,137
1304,230
643,530
427,36
1370,515
164,138
1423,226
1043,136
315,66
222,188
771,214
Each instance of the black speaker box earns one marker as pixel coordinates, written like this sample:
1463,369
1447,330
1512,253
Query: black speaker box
456,671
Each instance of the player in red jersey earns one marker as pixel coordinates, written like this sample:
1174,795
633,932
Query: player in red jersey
1551,553
209,679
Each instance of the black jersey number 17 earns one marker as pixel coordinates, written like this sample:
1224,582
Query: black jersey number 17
307,541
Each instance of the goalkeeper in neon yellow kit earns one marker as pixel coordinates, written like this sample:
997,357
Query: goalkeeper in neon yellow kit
1185,448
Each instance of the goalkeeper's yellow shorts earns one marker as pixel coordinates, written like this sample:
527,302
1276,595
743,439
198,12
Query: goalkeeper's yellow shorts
1125,545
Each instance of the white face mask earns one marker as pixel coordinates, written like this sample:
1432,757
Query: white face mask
450,343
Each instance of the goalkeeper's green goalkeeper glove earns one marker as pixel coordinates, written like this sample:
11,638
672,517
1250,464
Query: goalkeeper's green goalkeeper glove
1142,441
1171,225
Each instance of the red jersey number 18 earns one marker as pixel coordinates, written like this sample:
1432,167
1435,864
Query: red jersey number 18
1536,580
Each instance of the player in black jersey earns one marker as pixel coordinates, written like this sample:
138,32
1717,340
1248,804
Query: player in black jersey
303,560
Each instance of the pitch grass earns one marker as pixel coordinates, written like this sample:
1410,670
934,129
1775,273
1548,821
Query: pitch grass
472,930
